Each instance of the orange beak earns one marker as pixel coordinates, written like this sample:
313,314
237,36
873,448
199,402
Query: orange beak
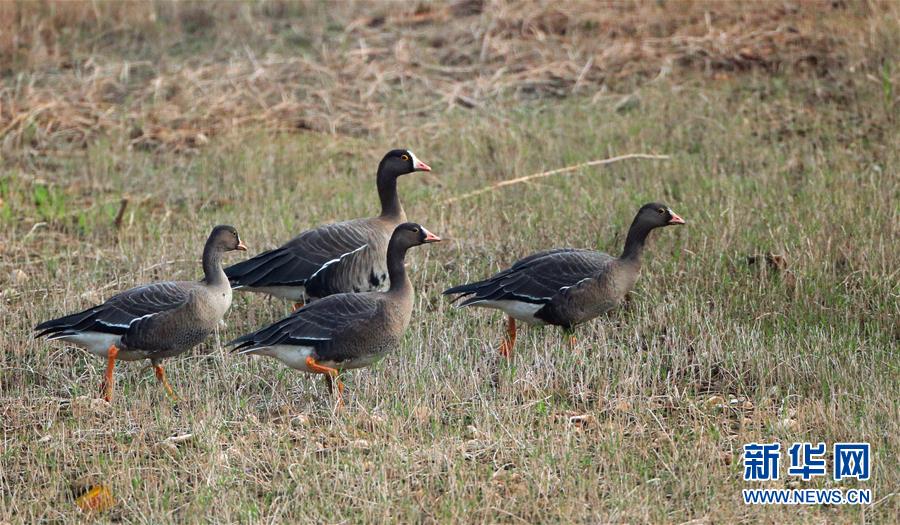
430,237
241,247
675,218
421,166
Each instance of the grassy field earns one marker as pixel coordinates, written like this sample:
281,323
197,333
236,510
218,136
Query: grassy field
643,422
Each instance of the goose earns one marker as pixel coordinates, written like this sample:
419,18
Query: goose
348,330
154,321
565,286
341,257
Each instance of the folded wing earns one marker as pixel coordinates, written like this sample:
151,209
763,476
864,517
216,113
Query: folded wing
536,278
294,263
117,314
316,324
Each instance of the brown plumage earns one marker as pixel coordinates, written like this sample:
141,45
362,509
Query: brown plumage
349,330
337,258
154,321
566,286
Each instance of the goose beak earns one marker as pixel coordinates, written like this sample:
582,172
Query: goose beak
418,165
241,247
430,237
676,219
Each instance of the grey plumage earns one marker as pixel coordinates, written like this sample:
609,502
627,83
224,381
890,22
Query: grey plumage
335,258
567,286
158,320
127,318
341,331
347,330
536,278
343,257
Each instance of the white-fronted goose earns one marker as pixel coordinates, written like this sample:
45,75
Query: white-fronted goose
342,257
348,330
566,286
154,321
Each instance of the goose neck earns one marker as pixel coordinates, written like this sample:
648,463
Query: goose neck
387,194
213,273
635,241
396,259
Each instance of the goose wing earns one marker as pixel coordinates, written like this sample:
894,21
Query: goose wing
294,263
316,325
117,314
536,278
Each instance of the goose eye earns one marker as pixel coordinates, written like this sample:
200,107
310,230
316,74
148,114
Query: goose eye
415,230
661,210
404,157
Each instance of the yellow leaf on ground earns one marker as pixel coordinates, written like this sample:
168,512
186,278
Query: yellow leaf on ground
98,499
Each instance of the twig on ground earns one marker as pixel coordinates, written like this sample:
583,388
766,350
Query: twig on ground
118,220
557,171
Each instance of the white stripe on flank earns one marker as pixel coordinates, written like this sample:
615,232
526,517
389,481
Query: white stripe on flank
139,318
126,326
329,263
576,284
104,323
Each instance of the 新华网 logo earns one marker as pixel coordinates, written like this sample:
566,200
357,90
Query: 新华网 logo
762,462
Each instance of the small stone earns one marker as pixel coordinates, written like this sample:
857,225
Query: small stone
715,402
165,447
17,276
86,406
787,424
582,421
360,444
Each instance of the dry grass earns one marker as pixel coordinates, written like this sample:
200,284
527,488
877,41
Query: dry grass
644,423
173,75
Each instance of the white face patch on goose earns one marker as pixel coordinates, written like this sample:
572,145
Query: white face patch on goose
415,160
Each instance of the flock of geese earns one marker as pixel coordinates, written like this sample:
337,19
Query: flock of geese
353,297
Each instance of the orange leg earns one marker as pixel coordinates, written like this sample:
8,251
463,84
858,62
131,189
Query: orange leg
297,306
106,386
161,376
331,375
506,347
